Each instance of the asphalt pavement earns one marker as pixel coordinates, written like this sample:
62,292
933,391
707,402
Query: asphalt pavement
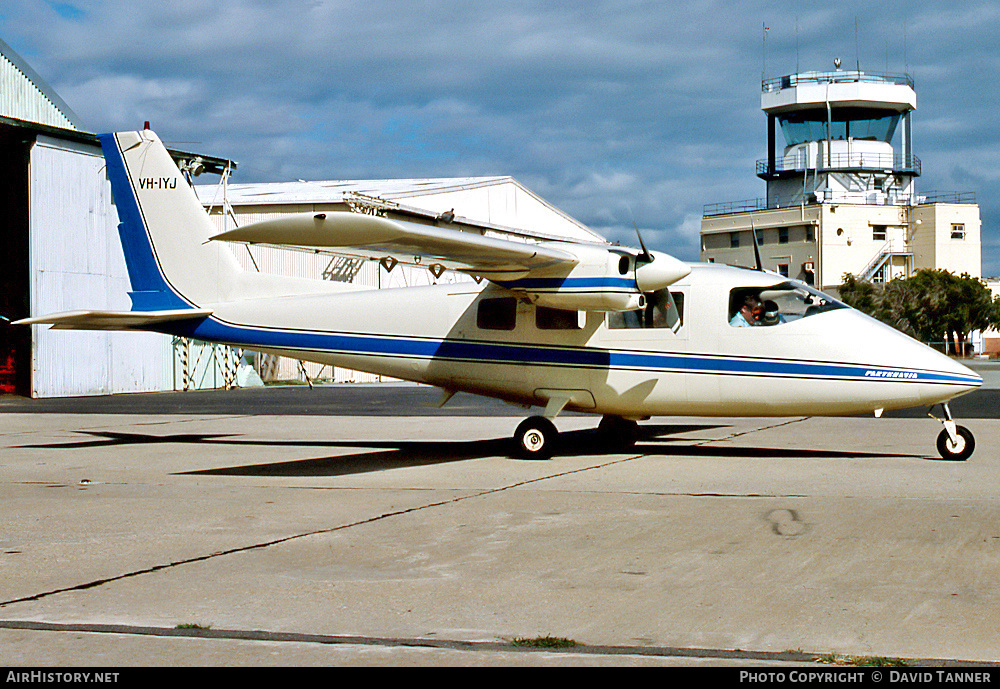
361,525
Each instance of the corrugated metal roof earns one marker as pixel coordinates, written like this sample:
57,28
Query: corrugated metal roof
26,96
332,191
212,164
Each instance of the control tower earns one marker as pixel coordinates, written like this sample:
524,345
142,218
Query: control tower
838,129
842,188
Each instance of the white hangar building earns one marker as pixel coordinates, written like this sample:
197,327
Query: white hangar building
62,251
501,202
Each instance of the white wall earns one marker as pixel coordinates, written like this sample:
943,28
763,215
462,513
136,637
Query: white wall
77,263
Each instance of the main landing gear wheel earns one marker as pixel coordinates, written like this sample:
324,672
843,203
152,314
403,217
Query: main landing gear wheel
956,452
618,433
535,438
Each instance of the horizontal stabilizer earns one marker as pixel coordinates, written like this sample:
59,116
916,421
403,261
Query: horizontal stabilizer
472,252
114,320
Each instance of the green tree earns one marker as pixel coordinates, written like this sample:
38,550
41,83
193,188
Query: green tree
931,305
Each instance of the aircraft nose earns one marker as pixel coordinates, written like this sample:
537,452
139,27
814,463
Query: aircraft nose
954,377
947,364
927,376
974,379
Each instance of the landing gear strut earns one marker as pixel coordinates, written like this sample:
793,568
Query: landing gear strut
954,443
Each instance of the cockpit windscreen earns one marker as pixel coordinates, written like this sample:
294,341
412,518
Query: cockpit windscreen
781,303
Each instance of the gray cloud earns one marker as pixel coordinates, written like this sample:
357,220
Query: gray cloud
613,111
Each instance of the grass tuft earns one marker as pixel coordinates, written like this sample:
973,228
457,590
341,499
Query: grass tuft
544,642
861,661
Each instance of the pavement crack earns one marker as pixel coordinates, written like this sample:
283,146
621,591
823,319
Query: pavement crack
738,434
318,532
285,539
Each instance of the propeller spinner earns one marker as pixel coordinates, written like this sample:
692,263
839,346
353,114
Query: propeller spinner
654,271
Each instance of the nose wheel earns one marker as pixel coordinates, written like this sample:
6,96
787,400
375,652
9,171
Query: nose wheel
954,443
959,449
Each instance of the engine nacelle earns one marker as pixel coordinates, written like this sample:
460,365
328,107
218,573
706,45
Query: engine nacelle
604,280
591,301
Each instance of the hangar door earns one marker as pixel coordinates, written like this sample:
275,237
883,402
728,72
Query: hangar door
15,343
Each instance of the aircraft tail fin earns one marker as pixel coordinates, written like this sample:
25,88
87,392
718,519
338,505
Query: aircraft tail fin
164,228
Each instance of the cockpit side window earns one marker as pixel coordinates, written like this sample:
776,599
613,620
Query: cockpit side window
557,319
776,305
664,309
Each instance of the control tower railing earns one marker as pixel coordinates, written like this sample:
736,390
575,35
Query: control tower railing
840,76
761,204
841,162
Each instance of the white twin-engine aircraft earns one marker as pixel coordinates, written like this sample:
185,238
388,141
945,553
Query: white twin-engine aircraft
597,328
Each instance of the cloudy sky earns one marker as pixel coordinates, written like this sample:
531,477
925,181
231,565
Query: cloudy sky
612,111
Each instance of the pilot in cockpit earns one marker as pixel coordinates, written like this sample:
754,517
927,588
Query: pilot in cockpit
745,317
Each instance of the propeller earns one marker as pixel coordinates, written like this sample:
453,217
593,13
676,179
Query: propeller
645,256
756,246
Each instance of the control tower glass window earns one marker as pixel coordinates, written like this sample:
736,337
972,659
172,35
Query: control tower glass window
846,123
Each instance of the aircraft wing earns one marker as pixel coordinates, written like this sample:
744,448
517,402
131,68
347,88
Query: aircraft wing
469,251
113,320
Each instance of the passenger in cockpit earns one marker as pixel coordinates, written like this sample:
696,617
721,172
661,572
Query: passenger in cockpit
770,314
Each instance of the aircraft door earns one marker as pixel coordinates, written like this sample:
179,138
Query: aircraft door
644,369
485,352
769,330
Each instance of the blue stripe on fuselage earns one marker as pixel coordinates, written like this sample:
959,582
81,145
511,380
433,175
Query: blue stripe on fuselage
482,352
564,283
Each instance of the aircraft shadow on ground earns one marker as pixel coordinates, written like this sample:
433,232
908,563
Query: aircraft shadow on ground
381,455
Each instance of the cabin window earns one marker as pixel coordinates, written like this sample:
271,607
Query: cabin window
497,314
878,233
556,319
734,240
782,235
664,309
958,231
781,303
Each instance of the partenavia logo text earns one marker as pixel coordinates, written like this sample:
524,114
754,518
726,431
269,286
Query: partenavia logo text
882,373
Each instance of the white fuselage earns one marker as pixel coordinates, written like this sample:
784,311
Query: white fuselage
832,363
